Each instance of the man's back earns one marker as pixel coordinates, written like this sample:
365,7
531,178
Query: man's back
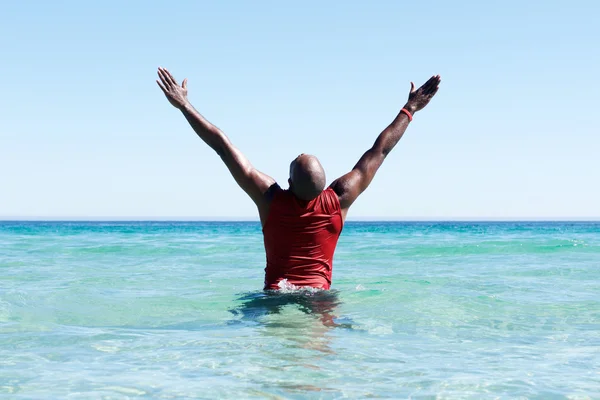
300,239
301,225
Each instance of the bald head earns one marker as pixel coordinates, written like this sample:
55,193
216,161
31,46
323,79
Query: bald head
307,177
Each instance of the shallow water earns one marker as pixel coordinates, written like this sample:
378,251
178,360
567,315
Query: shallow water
418,310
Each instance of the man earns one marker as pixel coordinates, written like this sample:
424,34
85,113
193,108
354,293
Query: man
301,225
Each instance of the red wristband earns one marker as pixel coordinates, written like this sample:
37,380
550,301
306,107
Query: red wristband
408,114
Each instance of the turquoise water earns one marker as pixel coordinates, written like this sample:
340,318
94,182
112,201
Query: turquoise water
419,310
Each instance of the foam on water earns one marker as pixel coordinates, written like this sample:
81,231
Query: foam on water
287,287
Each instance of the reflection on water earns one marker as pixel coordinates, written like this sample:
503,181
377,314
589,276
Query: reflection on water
303,318
321,304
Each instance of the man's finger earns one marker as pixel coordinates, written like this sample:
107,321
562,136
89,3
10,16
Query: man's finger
412,87
431,91
164,78
171,78
430,86
430,82
425,87
184,84
161,87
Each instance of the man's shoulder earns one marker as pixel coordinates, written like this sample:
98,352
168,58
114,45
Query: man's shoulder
272,191
331,199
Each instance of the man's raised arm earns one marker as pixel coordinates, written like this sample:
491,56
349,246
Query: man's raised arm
254,182
350,186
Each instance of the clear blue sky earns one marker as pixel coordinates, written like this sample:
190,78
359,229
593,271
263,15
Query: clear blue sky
513,131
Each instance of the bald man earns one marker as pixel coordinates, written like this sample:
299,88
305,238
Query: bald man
301,225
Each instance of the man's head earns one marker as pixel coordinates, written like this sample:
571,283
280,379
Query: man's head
307,177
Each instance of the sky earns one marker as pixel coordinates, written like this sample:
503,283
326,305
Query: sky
513,132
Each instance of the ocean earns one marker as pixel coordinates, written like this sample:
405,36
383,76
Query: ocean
419,310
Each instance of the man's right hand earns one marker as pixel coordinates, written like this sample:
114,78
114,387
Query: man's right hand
418,99
177,95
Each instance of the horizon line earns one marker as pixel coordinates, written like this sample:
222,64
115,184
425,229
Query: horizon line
6,218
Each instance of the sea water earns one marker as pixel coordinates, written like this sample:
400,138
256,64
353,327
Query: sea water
169,310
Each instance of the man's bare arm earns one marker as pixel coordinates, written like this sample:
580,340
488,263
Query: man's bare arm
349,186
252,181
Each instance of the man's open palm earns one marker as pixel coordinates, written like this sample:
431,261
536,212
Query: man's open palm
418,99
177,95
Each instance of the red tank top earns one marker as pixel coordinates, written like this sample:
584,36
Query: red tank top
300,239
